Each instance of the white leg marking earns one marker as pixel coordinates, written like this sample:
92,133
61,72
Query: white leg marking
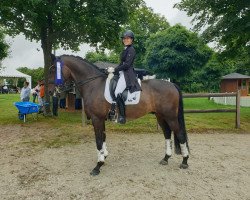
104,148
184,150
100,156
168,147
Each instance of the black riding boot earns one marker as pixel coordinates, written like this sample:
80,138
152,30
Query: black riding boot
121,107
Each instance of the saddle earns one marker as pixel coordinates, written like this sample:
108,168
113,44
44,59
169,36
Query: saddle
112,87
129,98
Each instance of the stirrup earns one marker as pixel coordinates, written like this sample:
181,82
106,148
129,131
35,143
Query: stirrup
112,113
121,120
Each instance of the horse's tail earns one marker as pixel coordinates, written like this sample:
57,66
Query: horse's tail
182,126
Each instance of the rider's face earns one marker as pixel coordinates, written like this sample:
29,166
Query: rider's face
127,41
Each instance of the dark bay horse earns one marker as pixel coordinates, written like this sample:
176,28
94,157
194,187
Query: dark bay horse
162,98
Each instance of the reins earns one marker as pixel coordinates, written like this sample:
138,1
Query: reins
67,87
79,83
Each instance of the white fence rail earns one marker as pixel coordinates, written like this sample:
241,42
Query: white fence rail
244,101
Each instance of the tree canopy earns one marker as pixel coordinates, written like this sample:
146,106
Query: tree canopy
175,52
143,22
224,21
65,23
3,46
36,74
102,56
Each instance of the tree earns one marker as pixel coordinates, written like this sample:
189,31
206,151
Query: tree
3,46
224,21
143,22
102,56
175,52
36,74
209,76
65,23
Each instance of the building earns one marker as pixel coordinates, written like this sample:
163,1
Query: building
234,82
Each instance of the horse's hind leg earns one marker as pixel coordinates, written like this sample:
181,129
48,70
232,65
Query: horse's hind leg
167,134
181,143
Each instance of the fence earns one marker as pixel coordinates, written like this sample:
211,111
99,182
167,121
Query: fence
236,110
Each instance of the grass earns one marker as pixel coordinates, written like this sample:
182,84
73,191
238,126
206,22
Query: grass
200,122
68,130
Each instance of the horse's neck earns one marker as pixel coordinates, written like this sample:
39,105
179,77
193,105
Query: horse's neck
81,70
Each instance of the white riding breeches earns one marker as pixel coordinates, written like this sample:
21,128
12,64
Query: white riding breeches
121,84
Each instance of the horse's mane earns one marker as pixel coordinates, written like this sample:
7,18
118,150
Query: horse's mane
84,60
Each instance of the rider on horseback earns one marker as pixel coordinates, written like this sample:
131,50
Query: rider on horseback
127,76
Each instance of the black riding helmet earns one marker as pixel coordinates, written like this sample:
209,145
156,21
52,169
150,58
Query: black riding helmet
128,33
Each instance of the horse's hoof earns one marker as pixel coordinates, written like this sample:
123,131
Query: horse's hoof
163,162
183,166
95,172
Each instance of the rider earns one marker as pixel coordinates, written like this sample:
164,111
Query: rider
127,76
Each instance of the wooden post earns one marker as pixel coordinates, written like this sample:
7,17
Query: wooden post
84,117
237,121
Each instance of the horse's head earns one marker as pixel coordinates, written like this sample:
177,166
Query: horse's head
59,75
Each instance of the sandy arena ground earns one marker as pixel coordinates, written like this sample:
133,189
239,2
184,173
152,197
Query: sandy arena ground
219,168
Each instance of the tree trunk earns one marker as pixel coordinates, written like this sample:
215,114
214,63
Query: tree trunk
46,41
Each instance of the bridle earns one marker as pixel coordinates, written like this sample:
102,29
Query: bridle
69,86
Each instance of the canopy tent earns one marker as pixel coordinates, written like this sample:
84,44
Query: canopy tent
13,73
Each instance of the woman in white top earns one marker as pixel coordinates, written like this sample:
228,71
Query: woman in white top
25,92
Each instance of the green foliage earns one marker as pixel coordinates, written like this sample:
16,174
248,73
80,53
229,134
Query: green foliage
239,64
3,46
36,74
207,78
175,53
144,22
102,56
224,21
69,123
65,23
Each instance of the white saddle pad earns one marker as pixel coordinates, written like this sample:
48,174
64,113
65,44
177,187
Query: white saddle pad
132,99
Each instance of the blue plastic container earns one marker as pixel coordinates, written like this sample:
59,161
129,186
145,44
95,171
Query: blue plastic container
27,107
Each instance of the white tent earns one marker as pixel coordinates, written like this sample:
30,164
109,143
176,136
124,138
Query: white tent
7,72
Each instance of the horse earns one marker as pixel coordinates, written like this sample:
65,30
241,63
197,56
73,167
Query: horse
162,98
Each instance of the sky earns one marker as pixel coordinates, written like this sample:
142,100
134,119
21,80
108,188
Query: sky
24,53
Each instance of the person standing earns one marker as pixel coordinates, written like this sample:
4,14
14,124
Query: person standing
41,96
127,76
35,92
25,92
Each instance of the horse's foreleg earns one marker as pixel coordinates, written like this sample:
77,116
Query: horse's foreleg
99,127
104,144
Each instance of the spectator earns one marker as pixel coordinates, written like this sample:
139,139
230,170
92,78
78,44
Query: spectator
78,100
36,91
62,101
41,95
5,89
25,92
